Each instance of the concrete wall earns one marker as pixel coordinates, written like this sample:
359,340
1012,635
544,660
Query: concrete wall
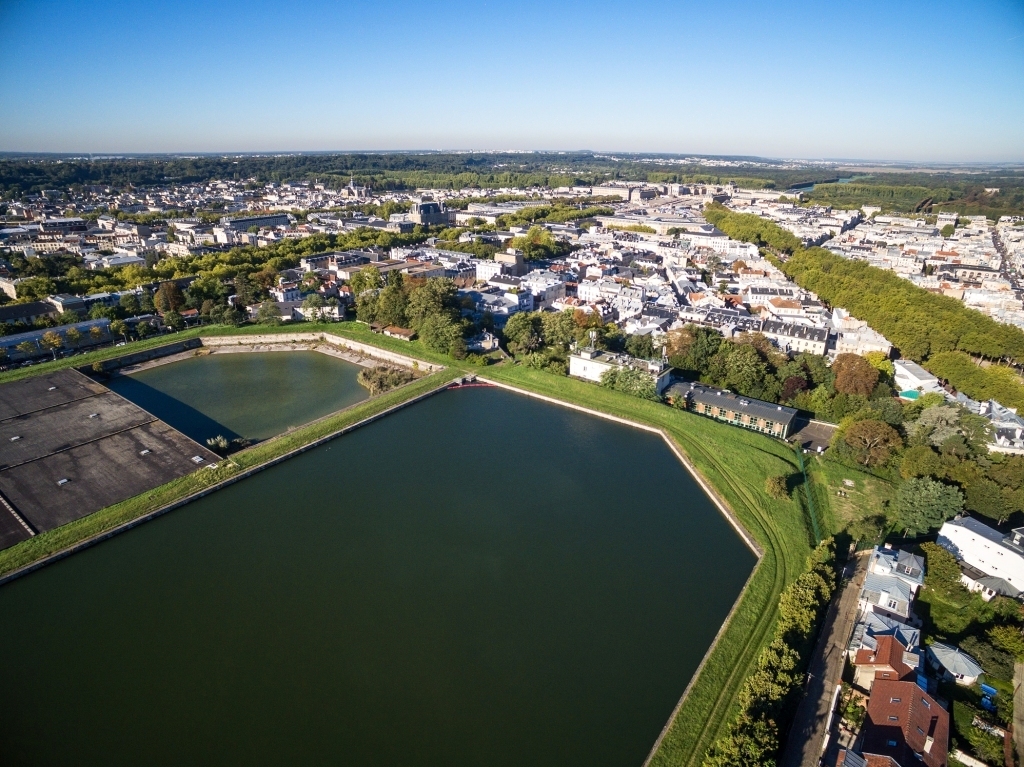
150,354
322,337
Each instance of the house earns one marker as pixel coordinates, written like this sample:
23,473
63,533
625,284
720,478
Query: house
886,595
955,663
287,291
796,338
747,412
908,567
402,334
889,660
905,726
592,364
910,377
990,553
872,626
485,342
27,313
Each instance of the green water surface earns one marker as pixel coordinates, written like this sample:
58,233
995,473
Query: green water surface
479,579
253,395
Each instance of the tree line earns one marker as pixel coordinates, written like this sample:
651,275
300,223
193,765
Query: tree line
769,695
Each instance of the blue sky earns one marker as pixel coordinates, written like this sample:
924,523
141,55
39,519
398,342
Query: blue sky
923,81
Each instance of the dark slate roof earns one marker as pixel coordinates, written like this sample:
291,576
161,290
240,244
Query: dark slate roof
792,330
709,395
16,312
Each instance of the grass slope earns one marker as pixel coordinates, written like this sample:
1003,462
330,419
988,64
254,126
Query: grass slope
735,462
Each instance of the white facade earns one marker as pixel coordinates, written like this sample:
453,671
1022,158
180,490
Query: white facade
986,549
910,376
591,365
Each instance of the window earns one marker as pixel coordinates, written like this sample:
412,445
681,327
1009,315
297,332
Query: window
925,703
892,742
894,700
892,604
894,718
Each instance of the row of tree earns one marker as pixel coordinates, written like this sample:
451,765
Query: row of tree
769,694
920,324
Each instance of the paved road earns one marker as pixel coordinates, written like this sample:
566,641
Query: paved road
807,735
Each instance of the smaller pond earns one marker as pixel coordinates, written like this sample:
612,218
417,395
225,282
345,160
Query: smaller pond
252,395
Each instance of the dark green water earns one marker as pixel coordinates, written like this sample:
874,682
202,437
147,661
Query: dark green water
480,579
252,395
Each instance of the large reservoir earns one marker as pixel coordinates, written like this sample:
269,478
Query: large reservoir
478,579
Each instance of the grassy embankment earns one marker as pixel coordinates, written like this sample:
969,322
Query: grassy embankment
734,461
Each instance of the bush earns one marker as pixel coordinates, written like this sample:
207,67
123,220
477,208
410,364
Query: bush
777,487
381,378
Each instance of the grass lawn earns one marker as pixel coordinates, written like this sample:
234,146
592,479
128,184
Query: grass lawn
734,461
864,501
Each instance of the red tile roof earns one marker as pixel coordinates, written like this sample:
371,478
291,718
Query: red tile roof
905,723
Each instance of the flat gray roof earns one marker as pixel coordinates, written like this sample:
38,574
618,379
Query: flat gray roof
39,392
69,446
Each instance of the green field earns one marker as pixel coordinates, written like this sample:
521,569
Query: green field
735,462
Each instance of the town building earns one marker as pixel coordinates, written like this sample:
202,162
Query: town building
997,560
723,405
592,364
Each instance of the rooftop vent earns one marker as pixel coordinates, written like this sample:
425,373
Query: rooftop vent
94,415
52,388
15,438
197,459
62,482
145,452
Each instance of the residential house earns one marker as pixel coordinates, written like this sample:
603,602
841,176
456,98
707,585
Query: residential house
993,556
904,565
889,660
886,595
905,726
955,663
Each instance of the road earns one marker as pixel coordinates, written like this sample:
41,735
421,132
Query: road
807,735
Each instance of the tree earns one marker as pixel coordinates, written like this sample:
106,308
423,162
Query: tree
641,347
923,504
439,332
872,441
4,355
942,573
629,380
367,278
268,314
1008,639
52,342
143,329
168,298
244,293
130,305
437,295
854,375
119,328
920,461
985,497
174,320
73,336
559,328
391,303
95,332
523,332
947,230
27,348
313,303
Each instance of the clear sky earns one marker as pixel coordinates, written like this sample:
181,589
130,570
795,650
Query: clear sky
896,80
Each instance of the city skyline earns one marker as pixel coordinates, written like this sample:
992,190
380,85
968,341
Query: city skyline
918,84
